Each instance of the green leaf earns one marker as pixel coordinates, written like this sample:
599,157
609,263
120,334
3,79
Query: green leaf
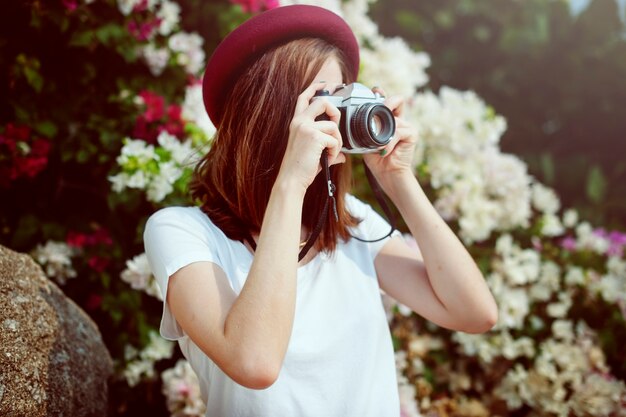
33,78
46,128
596,185
107,34
547,167
82,38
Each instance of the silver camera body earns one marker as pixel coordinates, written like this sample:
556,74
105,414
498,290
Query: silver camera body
366,124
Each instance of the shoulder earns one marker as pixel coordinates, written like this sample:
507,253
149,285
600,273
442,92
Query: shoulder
176,213
184,219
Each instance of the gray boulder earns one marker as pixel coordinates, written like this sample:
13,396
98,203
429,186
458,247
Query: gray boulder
52,358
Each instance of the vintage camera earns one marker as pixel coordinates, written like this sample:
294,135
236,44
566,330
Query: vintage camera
366,123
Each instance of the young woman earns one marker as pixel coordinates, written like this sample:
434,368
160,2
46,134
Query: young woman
268,335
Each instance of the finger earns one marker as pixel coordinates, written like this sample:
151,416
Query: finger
305,97
329,127
322,106
331,144
388,149
379,91
340,159
329,130
396,105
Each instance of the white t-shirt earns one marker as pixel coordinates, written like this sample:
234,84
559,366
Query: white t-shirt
339,361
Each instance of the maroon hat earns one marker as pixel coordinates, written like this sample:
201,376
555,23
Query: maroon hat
258,34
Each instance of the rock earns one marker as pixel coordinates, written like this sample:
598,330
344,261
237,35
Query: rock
52,358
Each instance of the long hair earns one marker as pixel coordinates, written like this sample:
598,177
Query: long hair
234,179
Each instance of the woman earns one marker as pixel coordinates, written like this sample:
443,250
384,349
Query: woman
268,335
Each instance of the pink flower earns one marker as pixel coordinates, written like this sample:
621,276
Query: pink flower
143,31
93,302
568,243
20,154
98,263
70,5
75,239
155,105
254,6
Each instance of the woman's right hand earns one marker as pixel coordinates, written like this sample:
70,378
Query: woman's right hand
308,138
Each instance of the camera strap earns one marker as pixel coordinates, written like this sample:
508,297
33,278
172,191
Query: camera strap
378,193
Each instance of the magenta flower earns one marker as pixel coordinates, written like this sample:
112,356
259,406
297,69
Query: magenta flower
70,5
255,6
568,243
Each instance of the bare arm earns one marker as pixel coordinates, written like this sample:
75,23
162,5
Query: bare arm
246,336
443,283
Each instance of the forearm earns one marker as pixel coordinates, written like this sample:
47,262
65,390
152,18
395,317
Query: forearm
261,318
453,274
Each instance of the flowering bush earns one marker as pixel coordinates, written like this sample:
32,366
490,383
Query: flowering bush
105,147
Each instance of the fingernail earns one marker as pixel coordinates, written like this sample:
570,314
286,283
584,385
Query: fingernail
383,152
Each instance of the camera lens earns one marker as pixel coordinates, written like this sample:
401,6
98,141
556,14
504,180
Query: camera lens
372,125
376,125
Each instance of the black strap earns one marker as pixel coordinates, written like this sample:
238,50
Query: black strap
322,220
380,197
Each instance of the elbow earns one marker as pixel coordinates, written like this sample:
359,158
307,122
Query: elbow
483,322
257,375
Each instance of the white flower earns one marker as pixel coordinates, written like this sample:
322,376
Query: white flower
548,282
56,260
574,276
169,13
551,225
156,58
598,395
180,152
139,276
182,391
544,199
138,150
394,66
193,110
127,6
514,307
589,240
356,14
560,309
563,330
141,363
156,173
188,47
511,385
408,403
139,179
611,288
570,218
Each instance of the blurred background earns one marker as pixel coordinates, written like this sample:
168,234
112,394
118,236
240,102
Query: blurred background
101,109
554,69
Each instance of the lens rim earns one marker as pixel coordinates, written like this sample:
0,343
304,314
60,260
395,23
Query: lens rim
360,125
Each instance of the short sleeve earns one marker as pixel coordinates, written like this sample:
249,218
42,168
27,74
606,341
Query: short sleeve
372,227
173,238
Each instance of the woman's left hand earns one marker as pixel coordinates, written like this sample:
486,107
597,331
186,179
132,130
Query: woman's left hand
396,158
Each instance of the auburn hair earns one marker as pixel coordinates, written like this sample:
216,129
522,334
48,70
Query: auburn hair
233,181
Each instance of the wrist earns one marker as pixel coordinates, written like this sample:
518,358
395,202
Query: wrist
288,185
398,183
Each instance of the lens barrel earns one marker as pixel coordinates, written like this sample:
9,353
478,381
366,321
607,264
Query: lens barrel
372,125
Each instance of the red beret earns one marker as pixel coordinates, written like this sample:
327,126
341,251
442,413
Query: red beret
258,34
